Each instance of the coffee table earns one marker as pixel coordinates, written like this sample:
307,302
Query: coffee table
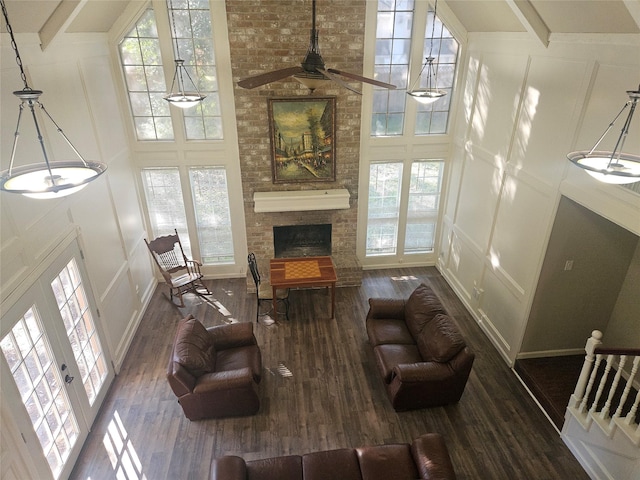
303,272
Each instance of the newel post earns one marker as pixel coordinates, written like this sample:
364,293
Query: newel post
592,343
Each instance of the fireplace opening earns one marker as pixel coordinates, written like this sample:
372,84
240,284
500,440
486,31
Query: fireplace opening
302,240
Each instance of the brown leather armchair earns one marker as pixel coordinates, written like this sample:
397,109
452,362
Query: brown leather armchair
215,371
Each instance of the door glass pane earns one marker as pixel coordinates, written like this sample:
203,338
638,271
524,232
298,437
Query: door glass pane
30,359
80,328
422,210
385,180
211,203
165,203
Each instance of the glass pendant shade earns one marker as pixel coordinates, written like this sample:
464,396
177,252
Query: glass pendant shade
427,96
311,81
184,99
613,166
621,170
47,179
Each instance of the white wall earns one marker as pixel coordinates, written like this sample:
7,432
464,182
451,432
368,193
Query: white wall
524,108
105,217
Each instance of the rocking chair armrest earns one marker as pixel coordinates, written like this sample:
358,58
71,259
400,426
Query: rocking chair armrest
195,262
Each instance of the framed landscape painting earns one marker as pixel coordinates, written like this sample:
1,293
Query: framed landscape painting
303,131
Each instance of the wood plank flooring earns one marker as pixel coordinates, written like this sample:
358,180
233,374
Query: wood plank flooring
334,397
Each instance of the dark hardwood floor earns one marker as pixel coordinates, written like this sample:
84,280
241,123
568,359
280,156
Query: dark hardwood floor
333,397
551,380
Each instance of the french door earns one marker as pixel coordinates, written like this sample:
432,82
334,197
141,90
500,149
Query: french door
51,346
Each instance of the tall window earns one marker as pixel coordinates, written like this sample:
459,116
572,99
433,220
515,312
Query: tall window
210,197
144,76
394,46
211,203
403,223
193,40
144,54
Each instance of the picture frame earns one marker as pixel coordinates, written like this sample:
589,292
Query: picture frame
303,132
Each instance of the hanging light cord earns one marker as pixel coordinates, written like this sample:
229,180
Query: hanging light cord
180,68
14,45
429,59
30,96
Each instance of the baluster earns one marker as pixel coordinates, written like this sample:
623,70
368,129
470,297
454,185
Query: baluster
604,413
592,379
631,416
603,380
592,343
627,388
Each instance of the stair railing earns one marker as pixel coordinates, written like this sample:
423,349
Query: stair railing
608,380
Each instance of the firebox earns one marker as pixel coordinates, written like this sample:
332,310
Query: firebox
302,240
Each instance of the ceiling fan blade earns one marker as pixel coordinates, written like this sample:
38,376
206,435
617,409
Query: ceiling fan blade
338,80
269,77
360,78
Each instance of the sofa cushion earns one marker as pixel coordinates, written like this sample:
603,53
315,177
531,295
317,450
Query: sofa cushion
240,357
193,348
288,467
440,340
383,462
331,464
421,307
388,356
382,331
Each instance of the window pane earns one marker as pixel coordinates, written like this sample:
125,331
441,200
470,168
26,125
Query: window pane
393,43
439,43
142,67
45,400
385,180
422,209
211,202
88,352
193,33
163,192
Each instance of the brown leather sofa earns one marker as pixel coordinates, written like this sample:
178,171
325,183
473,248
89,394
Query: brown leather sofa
215,371
419,350
426,457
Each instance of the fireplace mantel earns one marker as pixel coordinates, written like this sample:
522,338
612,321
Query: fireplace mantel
301,200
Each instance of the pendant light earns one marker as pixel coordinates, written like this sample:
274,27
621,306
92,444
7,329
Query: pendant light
431,93
48,179
612,166
179,97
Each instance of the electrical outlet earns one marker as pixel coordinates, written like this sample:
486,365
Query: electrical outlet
568,265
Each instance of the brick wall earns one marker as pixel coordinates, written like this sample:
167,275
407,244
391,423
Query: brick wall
266,35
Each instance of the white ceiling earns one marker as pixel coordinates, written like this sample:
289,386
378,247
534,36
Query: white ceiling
540,17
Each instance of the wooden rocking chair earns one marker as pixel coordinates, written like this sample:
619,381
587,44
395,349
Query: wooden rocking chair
180,274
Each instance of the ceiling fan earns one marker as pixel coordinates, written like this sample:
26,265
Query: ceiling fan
311,72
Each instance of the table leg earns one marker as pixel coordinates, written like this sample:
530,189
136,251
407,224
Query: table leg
333,300
275,302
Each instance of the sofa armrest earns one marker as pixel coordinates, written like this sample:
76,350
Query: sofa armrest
229,467
228,380
386,308
420,372
232,335
432,457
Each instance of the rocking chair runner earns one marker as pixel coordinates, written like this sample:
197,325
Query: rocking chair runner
180,274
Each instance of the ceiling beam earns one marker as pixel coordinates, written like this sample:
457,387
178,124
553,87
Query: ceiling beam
634,10
530,19
57,23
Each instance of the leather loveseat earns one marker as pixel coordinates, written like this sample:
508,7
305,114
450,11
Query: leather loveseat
426,457
419,351
215,371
